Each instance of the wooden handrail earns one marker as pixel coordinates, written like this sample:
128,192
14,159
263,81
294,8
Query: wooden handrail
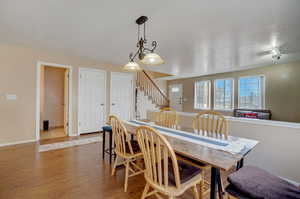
149,87
154,84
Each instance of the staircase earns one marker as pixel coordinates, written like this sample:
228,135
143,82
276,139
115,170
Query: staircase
147,90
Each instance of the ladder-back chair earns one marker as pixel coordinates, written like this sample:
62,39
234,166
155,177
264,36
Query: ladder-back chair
211,123
164,173
125,148
167,117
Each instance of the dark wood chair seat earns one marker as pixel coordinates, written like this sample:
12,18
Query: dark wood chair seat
135,147
186,172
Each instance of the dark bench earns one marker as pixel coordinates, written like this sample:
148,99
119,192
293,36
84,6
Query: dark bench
253,113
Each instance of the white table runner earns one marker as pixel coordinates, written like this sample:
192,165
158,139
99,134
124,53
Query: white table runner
234,145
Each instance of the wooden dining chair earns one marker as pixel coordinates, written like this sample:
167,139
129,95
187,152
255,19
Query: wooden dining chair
125,148
211,123
164,173
167,117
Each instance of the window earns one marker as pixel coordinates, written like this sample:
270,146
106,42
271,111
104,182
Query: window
223,94
202,95
251,92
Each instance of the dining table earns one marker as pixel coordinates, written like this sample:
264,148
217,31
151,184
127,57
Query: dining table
220,153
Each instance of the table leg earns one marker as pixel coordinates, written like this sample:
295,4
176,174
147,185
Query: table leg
220,185
240,164
103,144
110,146
213,183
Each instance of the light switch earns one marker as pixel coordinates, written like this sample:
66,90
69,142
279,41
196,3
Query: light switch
11,97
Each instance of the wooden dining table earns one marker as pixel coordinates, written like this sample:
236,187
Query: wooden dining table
201,152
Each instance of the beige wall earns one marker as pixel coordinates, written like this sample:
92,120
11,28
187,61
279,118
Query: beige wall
282,89
54,96
18,76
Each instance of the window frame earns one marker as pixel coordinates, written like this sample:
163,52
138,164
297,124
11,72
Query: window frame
209,95
233,96
263,90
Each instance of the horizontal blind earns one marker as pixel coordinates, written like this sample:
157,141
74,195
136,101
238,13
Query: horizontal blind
202,95
223,94
251,92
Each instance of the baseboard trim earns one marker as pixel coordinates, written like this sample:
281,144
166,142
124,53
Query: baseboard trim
16,143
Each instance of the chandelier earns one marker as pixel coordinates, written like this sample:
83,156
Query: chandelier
144,55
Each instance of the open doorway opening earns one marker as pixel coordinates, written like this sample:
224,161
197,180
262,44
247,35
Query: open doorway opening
54,101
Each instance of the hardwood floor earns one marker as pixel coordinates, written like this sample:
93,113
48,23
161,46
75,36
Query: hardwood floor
53,133
70,173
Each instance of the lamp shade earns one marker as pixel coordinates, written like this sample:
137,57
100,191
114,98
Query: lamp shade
132,67
152,59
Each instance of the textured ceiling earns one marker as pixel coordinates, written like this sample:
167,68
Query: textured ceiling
195,37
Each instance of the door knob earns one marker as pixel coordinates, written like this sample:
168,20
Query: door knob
102,104
113,104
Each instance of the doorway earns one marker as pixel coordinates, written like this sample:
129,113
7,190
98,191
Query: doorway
53,116
121,89
175,96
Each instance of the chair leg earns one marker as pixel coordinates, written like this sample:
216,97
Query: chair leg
202,189
114,167
126,175
146,189
195,191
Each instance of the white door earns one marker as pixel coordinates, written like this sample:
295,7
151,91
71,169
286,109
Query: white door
121,95
92,96
175,96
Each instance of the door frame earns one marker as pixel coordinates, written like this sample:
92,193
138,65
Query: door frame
132,88
78,97
38,93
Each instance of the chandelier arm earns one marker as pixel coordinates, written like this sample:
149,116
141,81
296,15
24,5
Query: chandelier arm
145,40
154,45
132,57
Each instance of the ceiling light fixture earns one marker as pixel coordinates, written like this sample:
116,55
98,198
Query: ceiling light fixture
145,55
276,54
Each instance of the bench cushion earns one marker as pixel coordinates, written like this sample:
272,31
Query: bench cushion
254,182
107,128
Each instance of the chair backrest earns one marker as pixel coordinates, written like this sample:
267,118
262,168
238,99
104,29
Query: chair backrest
121,137
159,157
167,117
211,123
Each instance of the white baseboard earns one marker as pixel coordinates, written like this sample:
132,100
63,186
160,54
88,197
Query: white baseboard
18,142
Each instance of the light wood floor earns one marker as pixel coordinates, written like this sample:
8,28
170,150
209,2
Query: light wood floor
53,133
71,173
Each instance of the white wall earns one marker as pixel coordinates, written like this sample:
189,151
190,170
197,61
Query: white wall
278,150
143,105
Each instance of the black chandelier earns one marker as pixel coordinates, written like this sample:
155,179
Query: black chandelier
145,55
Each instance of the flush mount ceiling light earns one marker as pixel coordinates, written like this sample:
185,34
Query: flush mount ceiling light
145,55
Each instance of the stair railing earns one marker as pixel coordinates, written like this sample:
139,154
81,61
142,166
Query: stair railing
146,84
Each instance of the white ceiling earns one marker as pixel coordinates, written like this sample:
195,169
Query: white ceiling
195,37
